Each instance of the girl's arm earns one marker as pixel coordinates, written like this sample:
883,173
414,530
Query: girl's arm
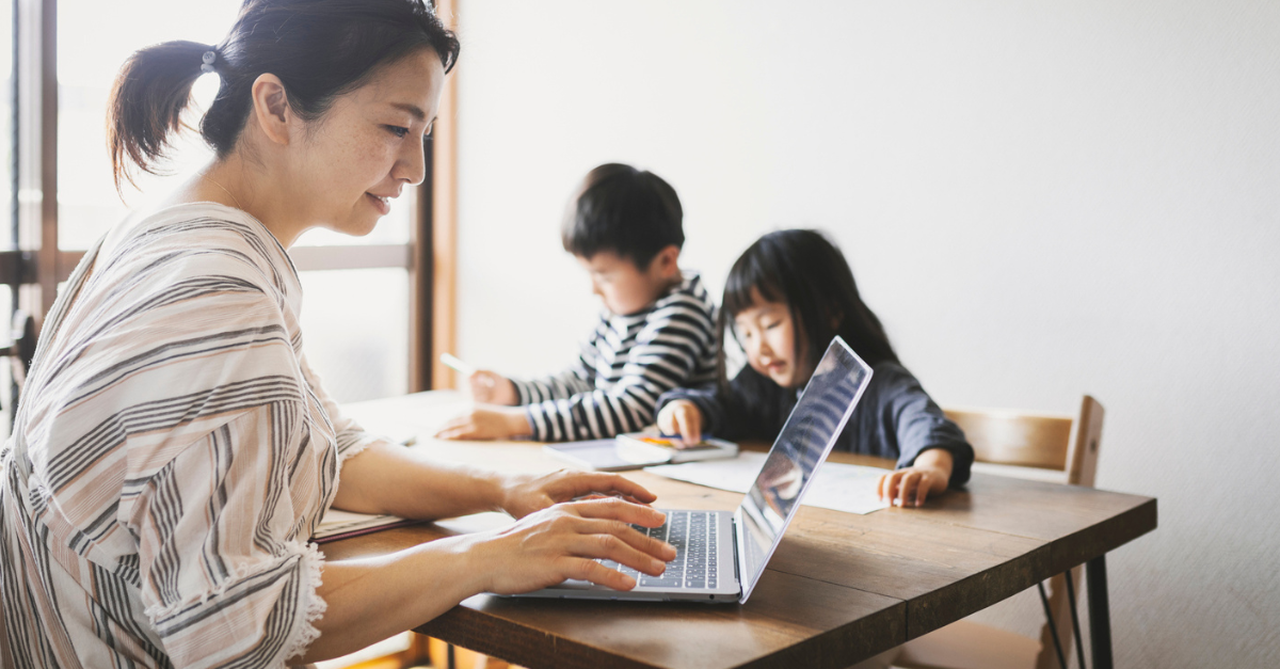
749,410
933,453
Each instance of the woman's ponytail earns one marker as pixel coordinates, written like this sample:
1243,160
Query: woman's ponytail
146,105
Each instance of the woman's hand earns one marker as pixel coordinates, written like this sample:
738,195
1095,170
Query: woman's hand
372,598
564,541
487,422
492,388
524,494
910,486
681,417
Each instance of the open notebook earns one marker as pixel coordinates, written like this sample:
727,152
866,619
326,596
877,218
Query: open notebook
344,524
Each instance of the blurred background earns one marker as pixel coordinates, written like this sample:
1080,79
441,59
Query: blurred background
1040,200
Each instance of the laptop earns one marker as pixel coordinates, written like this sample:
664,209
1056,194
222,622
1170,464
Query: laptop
721,554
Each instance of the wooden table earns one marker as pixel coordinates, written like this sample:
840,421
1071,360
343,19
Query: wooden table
840,588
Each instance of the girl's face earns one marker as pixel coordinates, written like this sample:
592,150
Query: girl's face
368,147
775,345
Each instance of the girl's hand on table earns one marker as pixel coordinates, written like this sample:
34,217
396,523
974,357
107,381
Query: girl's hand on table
911,486
487,422
565,540
529,493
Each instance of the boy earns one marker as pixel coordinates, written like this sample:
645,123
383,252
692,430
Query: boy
657,331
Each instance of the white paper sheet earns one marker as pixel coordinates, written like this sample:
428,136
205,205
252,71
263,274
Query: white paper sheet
848,488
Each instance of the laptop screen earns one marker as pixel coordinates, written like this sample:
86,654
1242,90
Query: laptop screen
808,435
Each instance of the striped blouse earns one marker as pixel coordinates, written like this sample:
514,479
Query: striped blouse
172,455
626,363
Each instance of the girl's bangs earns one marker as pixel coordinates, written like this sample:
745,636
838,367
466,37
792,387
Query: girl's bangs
746,275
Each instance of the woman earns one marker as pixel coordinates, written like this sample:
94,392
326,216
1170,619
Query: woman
173,452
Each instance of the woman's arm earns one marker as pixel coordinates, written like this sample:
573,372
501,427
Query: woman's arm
373,598
556,538
387,478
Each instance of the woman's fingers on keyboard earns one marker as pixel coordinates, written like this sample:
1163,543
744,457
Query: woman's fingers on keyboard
618,509
636,539
585,569
608,546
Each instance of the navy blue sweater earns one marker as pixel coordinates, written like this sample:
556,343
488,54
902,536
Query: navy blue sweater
894,419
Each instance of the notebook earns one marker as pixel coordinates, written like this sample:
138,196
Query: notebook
721,554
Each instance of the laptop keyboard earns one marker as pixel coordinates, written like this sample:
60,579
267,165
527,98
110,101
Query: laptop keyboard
693,534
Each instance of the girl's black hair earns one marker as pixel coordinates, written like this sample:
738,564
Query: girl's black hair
804,270
320,49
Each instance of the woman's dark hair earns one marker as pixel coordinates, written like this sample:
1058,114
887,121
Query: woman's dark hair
631,212
320,49
804,270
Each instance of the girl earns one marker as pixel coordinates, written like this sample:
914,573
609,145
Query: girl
173,452
786,297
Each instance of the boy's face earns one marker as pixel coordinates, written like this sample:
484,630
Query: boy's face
625,288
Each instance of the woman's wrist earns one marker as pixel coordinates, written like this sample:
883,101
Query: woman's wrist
468,560
497,487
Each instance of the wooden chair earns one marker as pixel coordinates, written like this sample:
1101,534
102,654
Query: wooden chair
1026,445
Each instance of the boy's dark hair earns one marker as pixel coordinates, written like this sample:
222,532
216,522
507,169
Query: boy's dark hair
320,49
807,272
630,212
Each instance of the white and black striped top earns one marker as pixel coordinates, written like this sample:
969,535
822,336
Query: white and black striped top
626,363
172,455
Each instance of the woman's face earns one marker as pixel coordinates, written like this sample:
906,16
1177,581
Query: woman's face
368,146
770,335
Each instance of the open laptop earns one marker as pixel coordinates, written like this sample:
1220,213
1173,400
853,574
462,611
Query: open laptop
721,555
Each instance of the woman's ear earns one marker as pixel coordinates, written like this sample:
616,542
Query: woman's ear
271,108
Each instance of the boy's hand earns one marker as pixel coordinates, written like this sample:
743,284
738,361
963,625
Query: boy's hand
910,486
492,388
681,417
487,422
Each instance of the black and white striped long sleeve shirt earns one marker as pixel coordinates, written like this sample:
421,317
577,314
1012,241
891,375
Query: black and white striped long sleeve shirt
626,363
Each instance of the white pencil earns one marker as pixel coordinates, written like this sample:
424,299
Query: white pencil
457,364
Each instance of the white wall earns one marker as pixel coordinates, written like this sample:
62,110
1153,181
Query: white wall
1039,199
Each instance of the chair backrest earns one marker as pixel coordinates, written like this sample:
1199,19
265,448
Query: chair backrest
1022,441
1067,444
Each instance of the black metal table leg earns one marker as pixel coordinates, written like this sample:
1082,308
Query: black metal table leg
1099,612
